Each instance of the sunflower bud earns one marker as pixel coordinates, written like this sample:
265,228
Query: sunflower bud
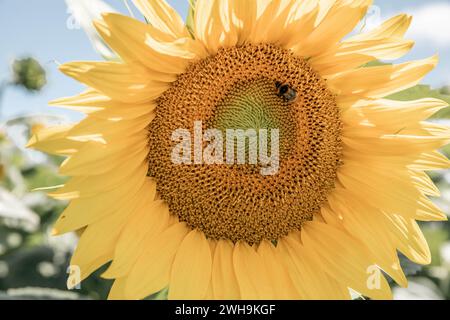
29,74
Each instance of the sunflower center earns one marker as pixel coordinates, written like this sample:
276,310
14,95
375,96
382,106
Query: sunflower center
254,105
248,106
251,87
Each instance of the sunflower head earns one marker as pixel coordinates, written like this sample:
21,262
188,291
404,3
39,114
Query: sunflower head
294,176
236,202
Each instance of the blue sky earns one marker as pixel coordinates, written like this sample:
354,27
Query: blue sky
39,28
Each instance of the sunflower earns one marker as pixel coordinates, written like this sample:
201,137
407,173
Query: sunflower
351,183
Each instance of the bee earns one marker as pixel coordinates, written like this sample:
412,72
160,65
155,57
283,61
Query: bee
286,92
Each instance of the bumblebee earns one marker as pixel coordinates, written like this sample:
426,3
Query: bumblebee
286,92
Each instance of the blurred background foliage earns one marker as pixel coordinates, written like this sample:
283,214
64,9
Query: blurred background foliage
34,264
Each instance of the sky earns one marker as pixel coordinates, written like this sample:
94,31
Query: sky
43,29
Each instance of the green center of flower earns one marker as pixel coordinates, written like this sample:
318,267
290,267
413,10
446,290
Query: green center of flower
256,106
249,108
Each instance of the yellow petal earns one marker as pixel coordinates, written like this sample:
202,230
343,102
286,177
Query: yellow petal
110,130
310,280
97,157
208,25
117,291
89,186
148,222
104,131
378,82
394,195
224,282
88,101
344,259
243,17
277,272
409,239
54,140
97,105
163,17
191,270
395,27
299,29
325,6
350,55
365,228
392,115
88,98
272,21
251,273
118,113
97,242
137,41
122,82
431,161
82,212
151,272
394,144
339,20
213,25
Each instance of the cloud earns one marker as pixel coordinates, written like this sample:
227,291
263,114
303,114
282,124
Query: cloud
431,22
